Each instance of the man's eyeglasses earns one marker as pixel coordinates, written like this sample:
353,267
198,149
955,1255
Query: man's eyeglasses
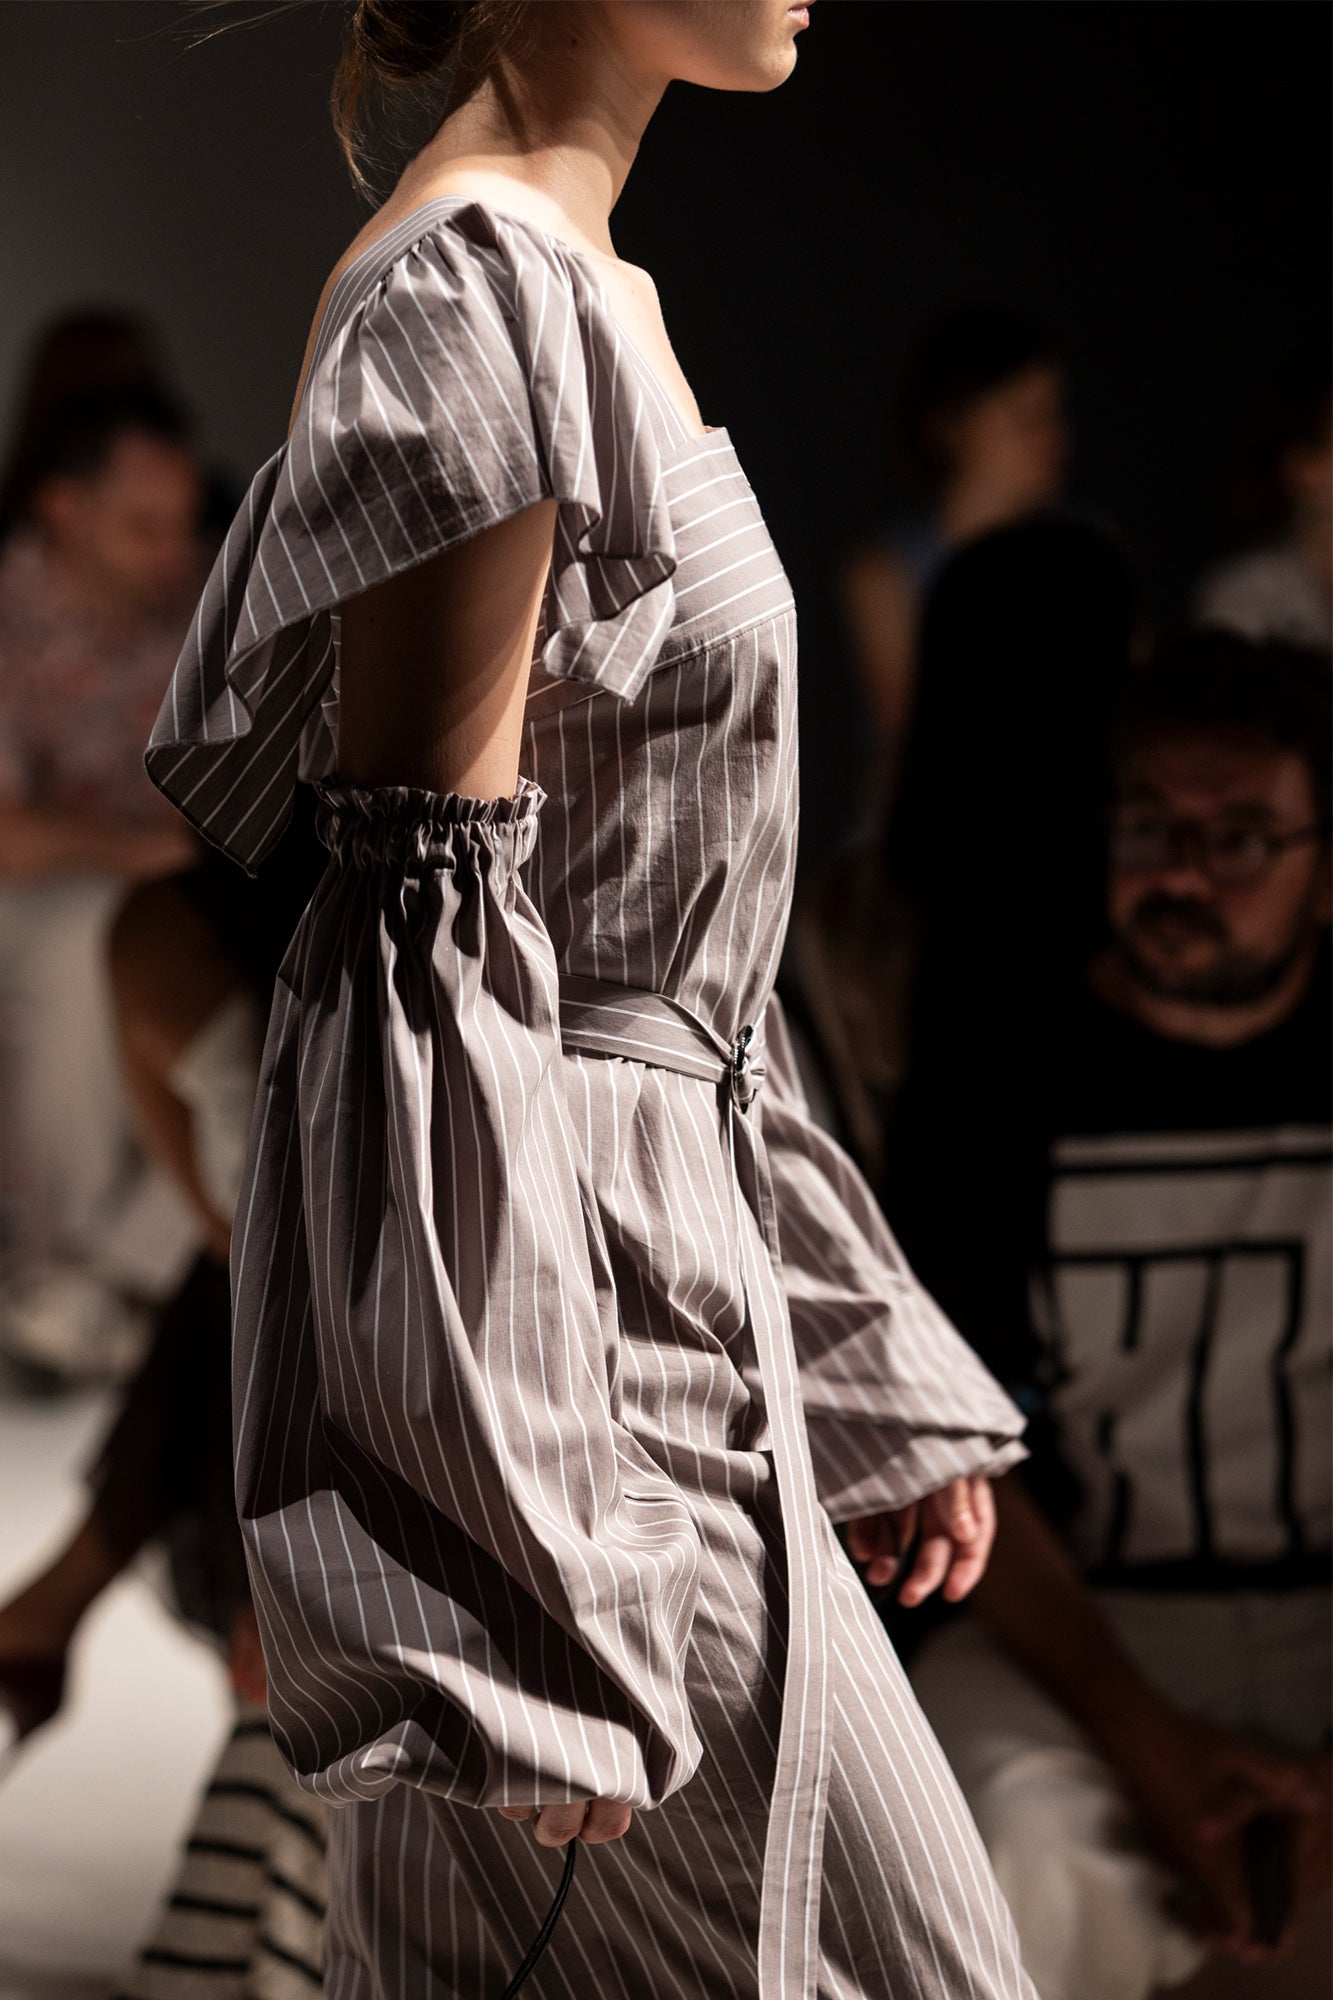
1232,857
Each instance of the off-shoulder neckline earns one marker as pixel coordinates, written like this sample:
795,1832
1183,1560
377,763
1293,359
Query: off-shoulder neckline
412,227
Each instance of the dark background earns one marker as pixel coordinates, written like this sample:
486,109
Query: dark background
1150,178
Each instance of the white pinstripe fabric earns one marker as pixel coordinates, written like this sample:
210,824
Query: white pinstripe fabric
514,1348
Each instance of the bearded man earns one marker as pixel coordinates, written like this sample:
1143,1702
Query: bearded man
1138,1707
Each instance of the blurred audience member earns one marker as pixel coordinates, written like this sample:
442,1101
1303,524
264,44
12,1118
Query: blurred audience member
992,852
80,354
1139,1707
1283,587
97,577
983,440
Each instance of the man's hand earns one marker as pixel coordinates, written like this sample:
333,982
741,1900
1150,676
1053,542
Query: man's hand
1198,1787
955,1526
593,1820
1311,1848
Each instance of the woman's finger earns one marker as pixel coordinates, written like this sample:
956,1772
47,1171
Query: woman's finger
877,1541
556,1826
983,1506
965,1573
861,1538
957,1509
871,1537
971,1554
517,1812
928,1571
607,1820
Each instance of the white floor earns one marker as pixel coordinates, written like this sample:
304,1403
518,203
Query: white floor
93,1813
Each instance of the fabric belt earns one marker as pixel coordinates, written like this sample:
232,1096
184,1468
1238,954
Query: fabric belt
600,1019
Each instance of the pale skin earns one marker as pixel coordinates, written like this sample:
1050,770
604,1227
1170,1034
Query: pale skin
435,663
1217,780
1196,1784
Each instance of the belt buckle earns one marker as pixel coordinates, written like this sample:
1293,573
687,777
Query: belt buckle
744,1076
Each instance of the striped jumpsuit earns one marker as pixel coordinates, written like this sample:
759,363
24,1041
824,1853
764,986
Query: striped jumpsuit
562,1332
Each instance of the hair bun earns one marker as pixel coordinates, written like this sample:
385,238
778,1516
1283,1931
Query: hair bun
392,45
402,40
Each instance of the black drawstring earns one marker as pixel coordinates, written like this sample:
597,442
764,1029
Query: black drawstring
543,1937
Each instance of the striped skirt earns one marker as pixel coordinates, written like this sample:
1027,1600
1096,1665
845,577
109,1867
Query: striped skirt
245,1918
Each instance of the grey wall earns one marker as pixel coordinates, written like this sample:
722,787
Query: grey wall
197,184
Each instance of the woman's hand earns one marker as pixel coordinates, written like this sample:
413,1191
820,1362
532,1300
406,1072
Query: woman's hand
593,1820
956,1527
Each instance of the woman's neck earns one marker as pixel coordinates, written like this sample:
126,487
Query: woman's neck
556,144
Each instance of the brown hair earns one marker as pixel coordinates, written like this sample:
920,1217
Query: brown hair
392,47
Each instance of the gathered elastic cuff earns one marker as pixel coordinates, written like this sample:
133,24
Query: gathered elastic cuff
367,826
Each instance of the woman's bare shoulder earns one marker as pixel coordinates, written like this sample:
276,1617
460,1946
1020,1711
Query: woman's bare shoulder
504,193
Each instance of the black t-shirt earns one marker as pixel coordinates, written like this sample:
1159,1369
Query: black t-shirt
1135,1234
1112,1074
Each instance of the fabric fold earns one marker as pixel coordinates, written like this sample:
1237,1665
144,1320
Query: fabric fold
896,1402
465,369
509,1616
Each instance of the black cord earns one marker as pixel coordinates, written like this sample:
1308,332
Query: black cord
543,1937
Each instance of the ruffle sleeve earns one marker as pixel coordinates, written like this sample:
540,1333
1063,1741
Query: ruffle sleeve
469,1575
896,1402
467,367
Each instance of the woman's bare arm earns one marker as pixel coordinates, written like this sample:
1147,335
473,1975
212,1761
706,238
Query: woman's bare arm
434,664
434,672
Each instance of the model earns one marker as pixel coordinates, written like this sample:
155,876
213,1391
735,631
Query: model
559,1340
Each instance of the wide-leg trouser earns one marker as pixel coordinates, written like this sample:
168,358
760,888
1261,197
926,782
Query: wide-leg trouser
440,1902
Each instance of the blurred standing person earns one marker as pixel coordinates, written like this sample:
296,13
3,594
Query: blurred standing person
1282,588
994,844
95,584
983,439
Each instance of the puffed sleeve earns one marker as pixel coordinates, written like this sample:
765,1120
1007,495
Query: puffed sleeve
896,1402
469,1576
462,373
